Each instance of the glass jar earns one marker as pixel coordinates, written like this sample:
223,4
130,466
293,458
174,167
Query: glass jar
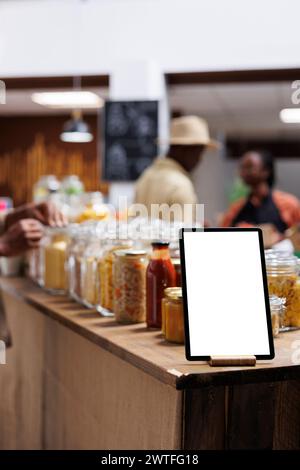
174,321
277,310
105,274
89,271
160,275
177,266
34,266
53,260
293,313
282,274
75,254
129,274
168,292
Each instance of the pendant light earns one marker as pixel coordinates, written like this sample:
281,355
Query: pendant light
76,129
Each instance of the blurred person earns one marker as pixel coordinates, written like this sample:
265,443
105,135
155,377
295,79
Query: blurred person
21,229
273,210
168,180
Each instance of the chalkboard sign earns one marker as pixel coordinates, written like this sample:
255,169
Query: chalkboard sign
130,134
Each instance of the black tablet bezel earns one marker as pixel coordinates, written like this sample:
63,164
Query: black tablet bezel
184,289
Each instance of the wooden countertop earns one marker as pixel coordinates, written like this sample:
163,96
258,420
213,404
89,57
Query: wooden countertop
147,350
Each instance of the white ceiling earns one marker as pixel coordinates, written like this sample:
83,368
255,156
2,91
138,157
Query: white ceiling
240,110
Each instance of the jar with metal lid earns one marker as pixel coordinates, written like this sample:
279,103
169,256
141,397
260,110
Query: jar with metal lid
174,320
105,273
129,274
53,259
282,272
168,293
277,306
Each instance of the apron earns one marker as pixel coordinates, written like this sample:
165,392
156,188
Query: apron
266,213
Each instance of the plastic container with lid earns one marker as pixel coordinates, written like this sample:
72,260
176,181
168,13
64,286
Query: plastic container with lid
53,259
174,320
282,273
277,306
129,274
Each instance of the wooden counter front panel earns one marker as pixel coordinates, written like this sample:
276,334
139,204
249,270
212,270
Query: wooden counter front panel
60,391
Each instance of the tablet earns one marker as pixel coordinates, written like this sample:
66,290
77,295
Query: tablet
225,293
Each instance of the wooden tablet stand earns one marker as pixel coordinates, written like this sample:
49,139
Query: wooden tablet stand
216,361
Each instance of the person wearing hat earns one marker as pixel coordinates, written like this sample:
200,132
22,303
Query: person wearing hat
167,180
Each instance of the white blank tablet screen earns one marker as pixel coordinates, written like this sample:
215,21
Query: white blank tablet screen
225,294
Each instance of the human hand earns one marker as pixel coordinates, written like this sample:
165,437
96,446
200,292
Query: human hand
21,236
45,212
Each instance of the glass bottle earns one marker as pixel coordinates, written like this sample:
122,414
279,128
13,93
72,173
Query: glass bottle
160,275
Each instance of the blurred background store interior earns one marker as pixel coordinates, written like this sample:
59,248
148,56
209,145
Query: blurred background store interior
213,60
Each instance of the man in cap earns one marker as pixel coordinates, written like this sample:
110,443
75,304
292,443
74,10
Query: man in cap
167,180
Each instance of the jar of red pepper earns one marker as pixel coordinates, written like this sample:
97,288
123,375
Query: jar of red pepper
160,275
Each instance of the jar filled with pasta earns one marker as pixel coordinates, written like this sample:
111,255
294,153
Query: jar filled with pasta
277,310
174,320
129,274
282,274
105,262
53,260
293,313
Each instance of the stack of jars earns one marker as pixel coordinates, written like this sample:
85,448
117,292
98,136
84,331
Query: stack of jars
282,273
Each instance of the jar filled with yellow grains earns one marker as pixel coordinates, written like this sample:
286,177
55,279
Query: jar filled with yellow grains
129,274
168,292
53,260
174,320
282,274
277,306
90,288
112,243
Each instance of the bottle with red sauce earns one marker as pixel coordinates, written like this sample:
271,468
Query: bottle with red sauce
160,274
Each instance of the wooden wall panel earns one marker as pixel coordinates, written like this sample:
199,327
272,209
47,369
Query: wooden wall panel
30,147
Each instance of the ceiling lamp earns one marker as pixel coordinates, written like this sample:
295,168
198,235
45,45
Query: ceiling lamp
68,99
76,130
290,115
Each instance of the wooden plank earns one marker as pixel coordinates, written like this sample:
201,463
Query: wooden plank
287,419
251,416
21,379
204,419
148,351
94,400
